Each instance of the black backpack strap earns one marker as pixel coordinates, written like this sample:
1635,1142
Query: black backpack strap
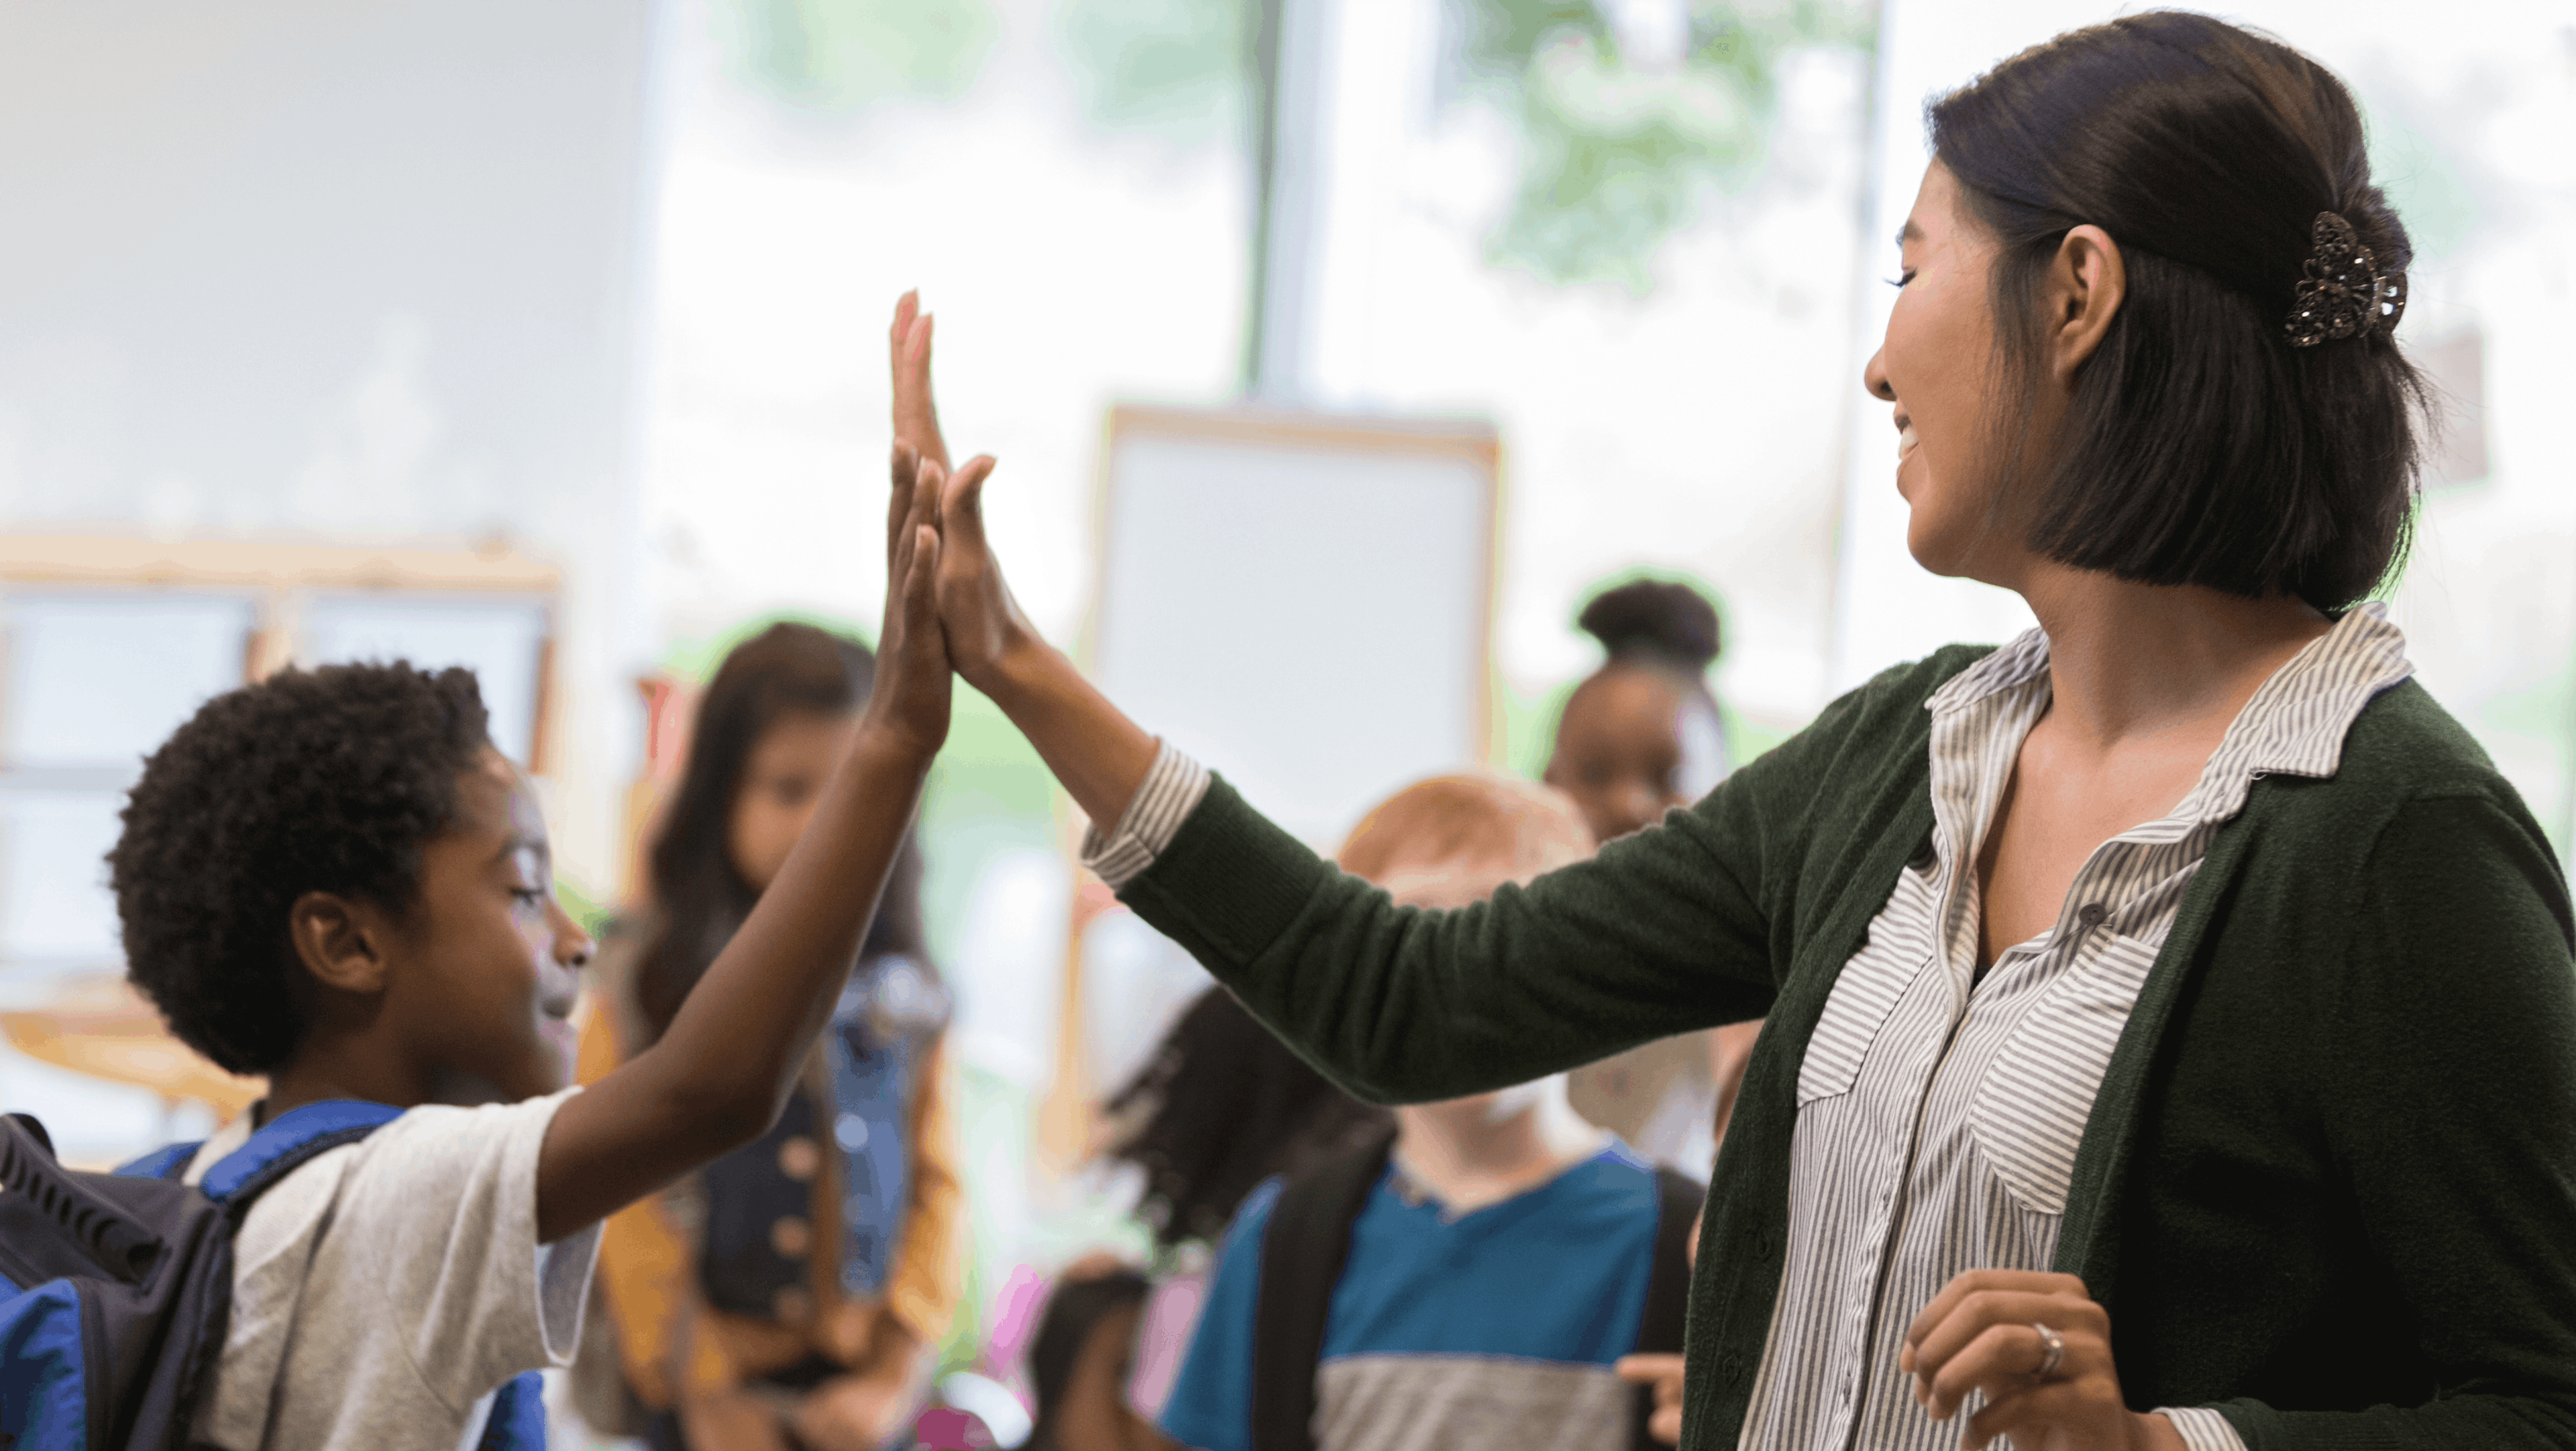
1659,1328
1302,1255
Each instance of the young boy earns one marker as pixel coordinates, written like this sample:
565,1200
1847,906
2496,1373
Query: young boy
1497,1267
331,878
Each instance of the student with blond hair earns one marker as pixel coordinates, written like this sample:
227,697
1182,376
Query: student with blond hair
1471,1280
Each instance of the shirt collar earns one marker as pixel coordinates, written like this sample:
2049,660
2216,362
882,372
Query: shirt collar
2294,725
2297,721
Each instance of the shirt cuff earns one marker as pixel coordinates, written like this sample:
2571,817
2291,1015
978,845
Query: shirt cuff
1172,789
2202,1428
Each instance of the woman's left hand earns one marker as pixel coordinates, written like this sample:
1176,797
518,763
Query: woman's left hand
1981,1334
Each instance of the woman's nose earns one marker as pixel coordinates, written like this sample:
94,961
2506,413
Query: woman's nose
1874,378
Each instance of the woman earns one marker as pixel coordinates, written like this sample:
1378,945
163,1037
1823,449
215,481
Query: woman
2171,1027
792,1288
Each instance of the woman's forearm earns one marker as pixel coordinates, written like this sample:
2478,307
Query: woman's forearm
1099,755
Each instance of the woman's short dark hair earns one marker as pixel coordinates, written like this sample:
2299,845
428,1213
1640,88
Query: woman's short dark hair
787,670
2201,447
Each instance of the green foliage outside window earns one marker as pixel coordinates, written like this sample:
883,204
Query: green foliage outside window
1180,68
1620,155
1619,152
835,56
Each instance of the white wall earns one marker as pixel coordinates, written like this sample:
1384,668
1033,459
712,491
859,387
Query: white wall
355,269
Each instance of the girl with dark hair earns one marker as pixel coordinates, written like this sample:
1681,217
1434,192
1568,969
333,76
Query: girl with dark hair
791,1288
1642,734
2170,1026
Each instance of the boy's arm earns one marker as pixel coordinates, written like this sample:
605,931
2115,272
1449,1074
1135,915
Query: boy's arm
719,1075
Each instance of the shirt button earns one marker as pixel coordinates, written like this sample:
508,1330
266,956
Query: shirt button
791,1237
2091,914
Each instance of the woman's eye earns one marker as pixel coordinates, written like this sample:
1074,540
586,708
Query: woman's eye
1898,281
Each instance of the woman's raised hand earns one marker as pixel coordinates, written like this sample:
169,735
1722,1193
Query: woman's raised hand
1990,1331
1097,752
910,702
984,623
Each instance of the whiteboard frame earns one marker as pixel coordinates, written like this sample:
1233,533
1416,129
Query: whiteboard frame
1067,1118
1475,442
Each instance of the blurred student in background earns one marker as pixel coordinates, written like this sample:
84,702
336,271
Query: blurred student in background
793,1287
1083,1358
1221,1107
1641,736
1471,1279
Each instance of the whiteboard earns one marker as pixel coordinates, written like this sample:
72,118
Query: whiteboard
501,638
1303,603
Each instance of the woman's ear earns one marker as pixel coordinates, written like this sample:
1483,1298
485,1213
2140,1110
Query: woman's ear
340,942
2087,282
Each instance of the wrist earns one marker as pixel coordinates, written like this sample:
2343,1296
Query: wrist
1020,671
2149,1431
893,746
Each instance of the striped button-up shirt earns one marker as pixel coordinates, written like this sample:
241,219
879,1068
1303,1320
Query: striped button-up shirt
1939,1111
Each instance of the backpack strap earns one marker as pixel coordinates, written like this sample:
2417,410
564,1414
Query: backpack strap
1659,1328
170,1161
517,1421
287,1143
1302,1255
297,1137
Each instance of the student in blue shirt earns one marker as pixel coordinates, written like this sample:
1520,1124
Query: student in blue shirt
1498,1259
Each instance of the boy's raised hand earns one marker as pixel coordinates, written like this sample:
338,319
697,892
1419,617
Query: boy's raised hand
916,415
983,622
910,701
1097,753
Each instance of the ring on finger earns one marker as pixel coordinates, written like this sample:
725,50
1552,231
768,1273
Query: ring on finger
2052,1351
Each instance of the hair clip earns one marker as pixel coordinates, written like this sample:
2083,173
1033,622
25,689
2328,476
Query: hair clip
2344,295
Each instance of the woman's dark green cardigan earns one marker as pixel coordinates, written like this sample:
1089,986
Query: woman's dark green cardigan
2329,1184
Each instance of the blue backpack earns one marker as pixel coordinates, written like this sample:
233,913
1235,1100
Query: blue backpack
115,1289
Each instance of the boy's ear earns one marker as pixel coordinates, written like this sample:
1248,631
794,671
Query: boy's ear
342,943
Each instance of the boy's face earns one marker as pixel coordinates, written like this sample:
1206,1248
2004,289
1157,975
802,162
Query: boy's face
486,964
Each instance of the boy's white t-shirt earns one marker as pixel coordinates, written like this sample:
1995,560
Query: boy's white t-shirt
384,1291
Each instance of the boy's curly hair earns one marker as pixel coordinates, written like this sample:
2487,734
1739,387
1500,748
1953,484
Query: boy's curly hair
323,780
